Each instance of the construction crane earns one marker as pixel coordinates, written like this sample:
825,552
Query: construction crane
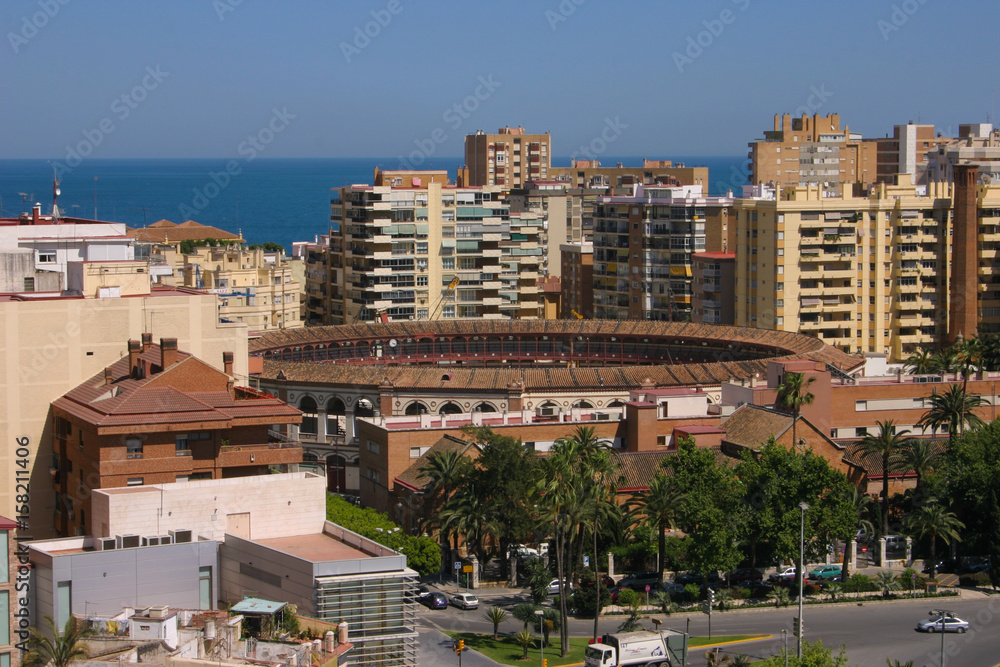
448,291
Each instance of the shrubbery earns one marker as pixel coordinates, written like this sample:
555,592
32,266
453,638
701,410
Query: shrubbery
974,579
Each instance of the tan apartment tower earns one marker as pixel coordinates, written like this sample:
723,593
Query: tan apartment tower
510,158
963,317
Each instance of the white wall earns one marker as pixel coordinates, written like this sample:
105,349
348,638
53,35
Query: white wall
279,506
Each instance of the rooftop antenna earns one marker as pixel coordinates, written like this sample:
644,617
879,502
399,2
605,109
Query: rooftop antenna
143,209
24,201
95,197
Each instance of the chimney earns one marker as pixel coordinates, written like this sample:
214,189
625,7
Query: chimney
36,214
963,315
108,377
147,341
168,353
227,363
134,350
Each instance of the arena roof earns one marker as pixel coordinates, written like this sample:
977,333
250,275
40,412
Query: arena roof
725,353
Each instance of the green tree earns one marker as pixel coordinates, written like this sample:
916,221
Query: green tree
780,597
920,362
495,615
630,602
525,640
268,246
860,503
467,514
920,456
793,393
814,654
776,480
990,347
969,354
887,446
538,576
833,589
422,553
711,509
945,361
658,507
525,613
952,409
885,581
933,521
58,649
444,472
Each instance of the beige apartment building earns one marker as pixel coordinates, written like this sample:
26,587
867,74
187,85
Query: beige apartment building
643,247
52,343
254,287
413,246
871,274
510,158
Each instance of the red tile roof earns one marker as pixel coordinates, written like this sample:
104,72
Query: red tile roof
159,398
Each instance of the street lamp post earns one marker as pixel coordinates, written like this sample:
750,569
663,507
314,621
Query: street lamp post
540,613
944,614
802,569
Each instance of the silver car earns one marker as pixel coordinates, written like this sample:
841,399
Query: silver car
951,624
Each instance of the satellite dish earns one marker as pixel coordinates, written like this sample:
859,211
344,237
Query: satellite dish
392,343
985,179
58,192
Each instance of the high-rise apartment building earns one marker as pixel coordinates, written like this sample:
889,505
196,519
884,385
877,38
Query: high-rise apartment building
510,158
590,174
643,246
577,276
811,150
413,246
714,278
875,273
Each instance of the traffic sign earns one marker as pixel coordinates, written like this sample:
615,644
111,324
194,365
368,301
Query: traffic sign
467,568
648,588
458,565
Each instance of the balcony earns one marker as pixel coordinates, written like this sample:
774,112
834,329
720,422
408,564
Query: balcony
274,453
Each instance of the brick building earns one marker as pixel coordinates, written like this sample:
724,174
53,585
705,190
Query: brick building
160,415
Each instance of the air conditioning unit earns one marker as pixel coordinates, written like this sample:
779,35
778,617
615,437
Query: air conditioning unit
158,612
180,536
165,539
105,544
127,541
603,416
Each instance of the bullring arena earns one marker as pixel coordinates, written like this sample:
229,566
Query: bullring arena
448,366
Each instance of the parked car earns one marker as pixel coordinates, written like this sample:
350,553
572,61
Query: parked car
783,574
554,587
744,576
434,601
638,581
694,577
421,592
951,624
606,581
521,551
974,565
674,589
465,601
826,573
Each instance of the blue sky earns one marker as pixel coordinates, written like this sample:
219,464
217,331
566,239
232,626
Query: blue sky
187,78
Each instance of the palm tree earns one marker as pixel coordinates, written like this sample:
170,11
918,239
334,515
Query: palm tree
525,640
969,354
495,615
885,581
446,472
897,663
467,514
888,446
780,596
663,600
945,361
920,457
657,507
525,613
934,521
59,651
793,393
859,502
920,362
715,659
833,589
953,409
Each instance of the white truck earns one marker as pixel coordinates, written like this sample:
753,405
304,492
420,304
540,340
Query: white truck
653,649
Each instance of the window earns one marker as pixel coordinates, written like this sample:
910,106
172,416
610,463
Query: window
373,475
181,444
860,431
134,481
29,284
64,598
373,447
46,258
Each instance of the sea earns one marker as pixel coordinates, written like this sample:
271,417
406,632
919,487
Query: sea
276,200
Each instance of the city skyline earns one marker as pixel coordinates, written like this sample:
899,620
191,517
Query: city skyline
235,79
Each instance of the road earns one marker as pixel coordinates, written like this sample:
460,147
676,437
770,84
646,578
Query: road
871,632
